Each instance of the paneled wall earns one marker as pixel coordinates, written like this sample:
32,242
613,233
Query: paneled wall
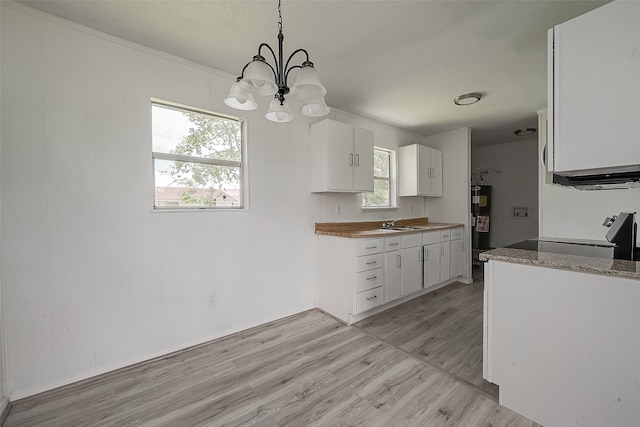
93,278
455,203
513,176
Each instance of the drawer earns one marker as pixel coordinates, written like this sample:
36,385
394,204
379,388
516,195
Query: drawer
369,262
445,235
430,237
456,233
411,240
369,246
392,243
369,279
369,299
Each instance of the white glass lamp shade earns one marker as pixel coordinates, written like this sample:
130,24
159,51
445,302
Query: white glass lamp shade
315,108
260,76
240,99
279,113
308,85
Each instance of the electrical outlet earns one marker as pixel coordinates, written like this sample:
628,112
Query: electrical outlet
212,299
338,209
411,208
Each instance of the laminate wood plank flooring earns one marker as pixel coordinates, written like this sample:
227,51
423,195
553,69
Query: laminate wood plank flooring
443,328
305,370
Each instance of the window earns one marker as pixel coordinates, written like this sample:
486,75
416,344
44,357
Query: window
383,195
198,159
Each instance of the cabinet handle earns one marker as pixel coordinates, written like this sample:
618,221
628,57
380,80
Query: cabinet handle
441,250
372,247
393,244
357,159
372,278
373,297
398,260
350,159
420,255
372,262
426,254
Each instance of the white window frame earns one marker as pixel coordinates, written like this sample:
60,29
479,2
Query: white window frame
393,200
242,164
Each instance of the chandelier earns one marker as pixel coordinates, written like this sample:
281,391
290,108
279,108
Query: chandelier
260,77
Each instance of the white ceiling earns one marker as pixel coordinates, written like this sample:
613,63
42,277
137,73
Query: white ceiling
399,62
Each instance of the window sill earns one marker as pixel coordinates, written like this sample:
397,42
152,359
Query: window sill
189,210
378,208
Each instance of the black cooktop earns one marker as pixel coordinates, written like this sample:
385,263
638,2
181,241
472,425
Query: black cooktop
573,247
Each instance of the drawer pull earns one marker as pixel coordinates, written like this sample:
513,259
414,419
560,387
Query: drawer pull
372,262
373,297
393,244
372,278
372,247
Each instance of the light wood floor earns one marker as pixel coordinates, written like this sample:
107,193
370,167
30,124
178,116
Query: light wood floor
442,328
305,370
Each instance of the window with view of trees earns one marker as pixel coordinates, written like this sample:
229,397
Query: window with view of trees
382,181
198,159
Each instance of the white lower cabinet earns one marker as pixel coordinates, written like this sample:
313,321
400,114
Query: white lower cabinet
393,267
431,256
411,261
445,255
350,275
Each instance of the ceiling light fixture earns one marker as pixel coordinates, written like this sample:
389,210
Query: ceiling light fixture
525,131
468,98
264,79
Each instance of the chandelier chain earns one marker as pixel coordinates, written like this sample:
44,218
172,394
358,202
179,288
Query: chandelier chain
280,15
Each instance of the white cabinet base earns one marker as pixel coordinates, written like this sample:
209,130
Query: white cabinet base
563,345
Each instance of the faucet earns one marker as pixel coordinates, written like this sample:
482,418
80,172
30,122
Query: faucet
390,224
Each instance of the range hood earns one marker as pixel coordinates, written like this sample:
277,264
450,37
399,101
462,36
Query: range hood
600,179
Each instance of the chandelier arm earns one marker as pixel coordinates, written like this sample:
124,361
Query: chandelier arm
286,75
275,70
286,67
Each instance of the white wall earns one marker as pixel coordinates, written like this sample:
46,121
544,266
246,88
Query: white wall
455,203
93,279
516,185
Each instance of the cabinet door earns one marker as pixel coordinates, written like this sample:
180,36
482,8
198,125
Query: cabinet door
363,160
341,156
436,172
457,257
393,275
595,89
424,170
431,264
445,261
411,270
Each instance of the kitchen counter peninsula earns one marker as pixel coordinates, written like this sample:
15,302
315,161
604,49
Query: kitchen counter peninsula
560,334
580,263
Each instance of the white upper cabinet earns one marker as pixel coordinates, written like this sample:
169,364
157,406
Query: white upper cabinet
419,171
594,87
341,158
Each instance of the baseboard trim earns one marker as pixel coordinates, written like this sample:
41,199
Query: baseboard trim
5,412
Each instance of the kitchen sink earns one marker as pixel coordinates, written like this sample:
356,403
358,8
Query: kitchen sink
401,228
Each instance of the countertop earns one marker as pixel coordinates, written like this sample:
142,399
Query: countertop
584,264
356,230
